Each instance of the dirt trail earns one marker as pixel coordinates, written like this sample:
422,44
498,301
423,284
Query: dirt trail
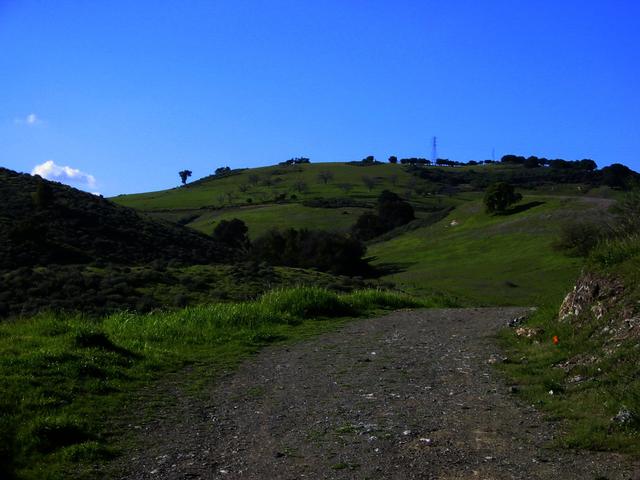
405,396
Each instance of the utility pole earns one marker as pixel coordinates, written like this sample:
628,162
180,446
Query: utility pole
434,151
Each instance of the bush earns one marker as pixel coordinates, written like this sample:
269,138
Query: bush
392,212
579,238
326,251
499,196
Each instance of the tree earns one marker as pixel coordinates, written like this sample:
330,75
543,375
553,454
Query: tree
184,174
232,233
393,159
618,175
393,211
325,176
499,196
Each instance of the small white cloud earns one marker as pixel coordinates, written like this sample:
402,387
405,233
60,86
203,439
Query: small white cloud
64,174
31,120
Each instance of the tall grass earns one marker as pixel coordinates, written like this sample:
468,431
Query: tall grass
615,250
62,376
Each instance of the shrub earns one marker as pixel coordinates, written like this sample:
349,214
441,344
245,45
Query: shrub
579,238
499,196
326,251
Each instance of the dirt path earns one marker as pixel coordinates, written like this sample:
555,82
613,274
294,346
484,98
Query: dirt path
406,396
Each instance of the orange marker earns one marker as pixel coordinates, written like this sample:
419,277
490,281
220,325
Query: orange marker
555,339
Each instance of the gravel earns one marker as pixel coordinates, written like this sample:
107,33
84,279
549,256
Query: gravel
411,395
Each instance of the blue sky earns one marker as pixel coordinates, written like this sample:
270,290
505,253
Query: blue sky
127,93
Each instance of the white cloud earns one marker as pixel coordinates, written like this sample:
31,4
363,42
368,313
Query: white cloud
32,119
64,174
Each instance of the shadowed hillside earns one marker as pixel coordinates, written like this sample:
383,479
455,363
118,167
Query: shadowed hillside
44,223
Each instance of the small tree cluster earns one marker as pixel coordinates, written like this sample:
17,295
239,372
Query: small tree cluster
499,196
326,251
391,212
295,161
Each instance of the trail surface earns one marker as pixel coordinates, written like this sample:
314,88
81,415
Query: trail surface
406,396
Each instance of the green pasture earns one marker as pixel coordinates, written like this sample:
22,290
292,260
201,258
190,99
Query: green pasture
261,218
488,259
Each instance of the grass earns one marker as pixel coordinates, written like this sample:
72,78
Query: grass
259,219
63,376
226,191
601,375
487,259
586,407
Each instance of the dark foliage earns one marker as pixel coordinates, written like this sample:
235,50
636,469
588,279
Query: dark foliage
232,233
578,239
222,171
334,202
499,196
619,176
184,174
365,162
325,251
391,212
393,159
528,176
295,161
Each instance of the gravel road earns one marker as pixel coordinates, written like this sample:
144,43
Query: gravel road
410,395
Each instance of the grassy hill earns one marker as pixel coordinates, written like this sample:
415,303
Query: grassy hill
479,258
490,260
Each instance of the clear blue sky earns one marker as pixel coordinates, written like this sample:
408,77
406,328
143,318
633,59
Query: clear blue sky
130,92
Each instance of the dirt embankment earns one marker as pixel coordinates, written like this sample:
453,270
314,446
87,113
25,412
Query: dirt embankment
411,395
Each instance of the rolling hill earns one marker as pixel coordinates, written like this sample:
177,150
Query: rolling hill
478,258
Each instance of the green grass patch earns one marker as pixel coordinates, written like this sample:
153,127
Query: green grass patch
487,259
65,378
577,381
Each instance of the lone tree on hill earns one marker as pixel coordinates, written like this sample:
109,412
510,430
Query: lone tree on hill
184,174
393,159
499,196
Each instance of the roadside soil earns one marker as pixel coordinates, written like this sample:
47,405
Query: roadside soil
411,395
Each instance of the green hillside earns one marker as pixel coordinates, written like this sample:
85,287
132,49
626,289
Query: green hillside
479,258
490,260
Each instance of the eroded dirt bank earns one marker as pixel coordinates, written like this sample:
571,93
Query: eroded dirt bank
406,396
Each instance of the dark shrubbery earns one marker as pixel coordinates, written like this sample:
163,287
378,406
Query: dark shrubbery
232,233
499,196
335,203
579,238
391,212
325,251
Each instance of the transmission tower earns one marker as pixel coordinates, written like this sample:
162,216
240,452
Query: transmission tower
434,151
